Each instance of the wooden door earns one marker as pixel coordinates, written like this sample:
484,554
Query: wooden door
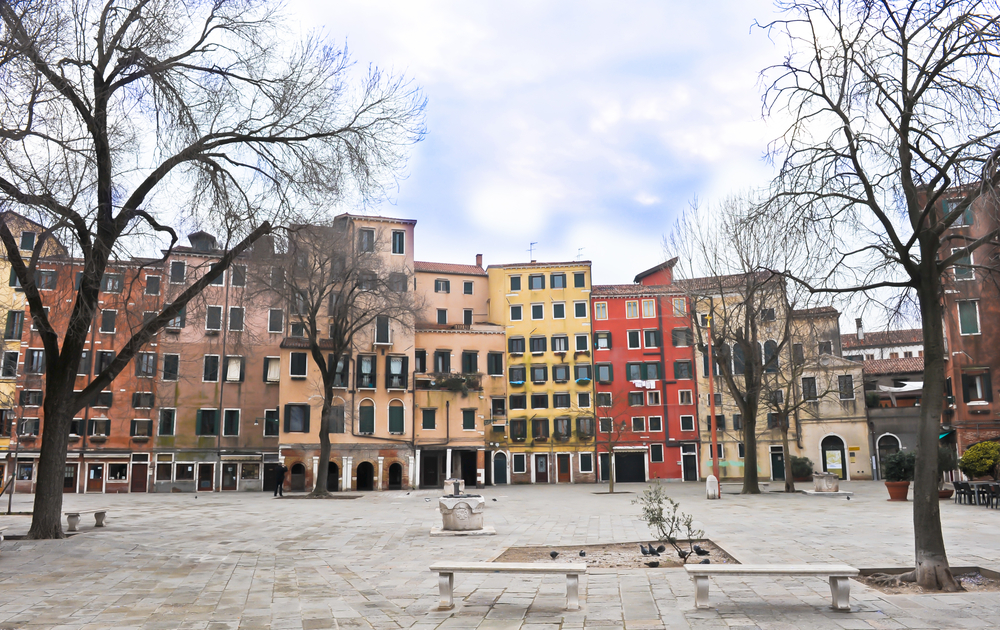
206,473
777,465
229,476
95,477
140,474
500,469
541,468
689,461
69,478
562,465
270,477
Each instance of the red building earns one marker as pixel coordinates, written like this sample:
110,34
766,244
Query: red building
644,379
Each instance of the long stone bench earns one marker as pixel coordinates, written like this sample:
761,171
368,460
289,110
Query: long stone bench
446,576
838,574
73,518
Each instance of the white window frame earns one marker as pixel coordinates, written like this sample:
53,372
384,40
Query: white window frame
146,284
221,313
163,372
685,397
531,311
524,463
239,421
577,303
230,360
520,312
586,342
588,457
589,400
554,305
173,423
392,243
243,319
967,267
653,449
139,356
281,328
979,324
219,368
650,396
641,424
468,284
170,272
689,420
628,342
100,328
649,424
290,364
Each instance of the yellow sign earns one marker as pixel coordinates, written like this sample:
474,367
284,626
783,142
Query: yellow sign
833,461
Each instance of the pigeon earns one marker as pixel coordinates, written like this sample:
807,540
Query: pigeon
661,549
643,549
583,554
653,552
407,494
653,564
427,499
701,552
553,554
494,500
683,554
705,561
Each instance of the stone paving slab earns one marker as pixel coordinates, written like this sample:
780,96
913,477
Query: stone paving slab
220,561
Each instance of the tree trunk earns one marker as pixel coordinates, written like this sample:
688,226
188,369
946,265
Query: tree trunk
46,517
786,457
611,473
750,481
323,470
932,570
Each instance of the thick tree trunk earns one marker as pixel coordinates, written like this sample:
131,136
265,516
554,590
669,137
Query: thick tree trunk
46,517
323,470
750,480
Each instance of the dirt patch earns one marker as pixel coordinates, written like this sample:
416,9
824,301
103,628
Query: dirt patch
615,555
972,579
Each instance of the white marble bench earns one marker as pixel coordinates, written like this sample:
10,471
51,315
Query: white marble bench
446,576
73,518
2,529
838,574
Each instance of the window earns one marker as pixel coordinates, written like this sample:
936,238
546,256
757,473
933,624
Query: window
537,345
518,463
45,279
275,320
517,374
737,421
602,340
560,373
582,343
539,373
238,274
382,332
207,422
236,318
653,398
104,359
15,325
34,320
468,419
651,338
112,283
600,310
638,424
976,387
420,361
167,421
428,420
560,400
340,370
231,422
809,388
213,318
140,427
687,423
515,345
220,280
34,361
846,385
297,418
539,401
583,372
396,424
271,423
367,281
108,318
540,429
559,310
767,315
558,280
178,320
467,317
494,364
171,366
145,364
177,272
442,286
560,343
825,347
31,398
277,279
655,423
950,205
515,283
607,425
518,401
798,354
366,240
633,338
498,407
515,312
442,316
395,376
580,310
366,371
442,361
772,422
397,282
536,282
104,399
298,365
604,373
470,362
603,399
580,280
586,460
682,370
211,368
656,453
968,317
720,422
398,242
631,309
771,362
583,400
9,369
235,369
537,311
99,427
27,241
635,399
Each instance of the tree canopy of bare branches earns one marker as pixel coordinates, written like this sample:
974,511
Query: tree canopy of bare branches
125,118
892,107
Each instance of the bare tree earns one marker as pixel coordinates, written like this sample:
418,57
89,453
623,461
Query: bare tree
613,428
894,107
123,117
341,290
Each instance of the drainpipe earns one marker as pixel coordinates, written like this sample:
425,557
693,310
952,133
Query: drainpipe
223,370
663,383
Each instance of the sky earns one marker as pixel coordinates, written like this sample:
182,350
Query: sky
581,127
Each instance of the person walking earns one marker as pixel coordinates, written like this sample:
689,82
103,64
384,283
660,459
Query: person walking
279,486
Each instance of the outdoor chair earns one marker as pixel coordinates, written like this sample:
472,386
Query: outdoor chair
963,492
994,499
983,494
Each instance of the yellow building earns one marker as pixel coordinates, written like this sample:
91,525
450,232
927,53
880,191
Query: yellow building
545,310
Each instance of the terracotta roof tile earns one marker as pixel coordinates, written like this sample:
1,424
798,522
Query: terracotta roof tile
906,365
529,265
632,290
435,267
876,338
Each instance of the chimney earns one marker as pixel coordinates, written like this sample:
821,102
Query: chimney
479,260
861,330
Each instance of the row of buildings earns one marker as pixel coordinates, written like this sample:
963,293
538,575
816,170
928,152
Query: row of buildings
512,373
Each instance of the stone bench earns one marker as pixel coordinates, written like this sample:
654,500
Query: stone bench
840,588
73,518
2,530
446,576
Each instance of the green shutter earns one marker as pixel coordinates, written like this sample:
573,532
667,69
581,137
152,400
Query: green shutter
396,419
367,421
469,419
428,419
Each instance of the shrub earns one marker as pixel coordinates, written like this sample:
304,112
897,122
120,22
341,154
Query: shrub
899,466
980,460
801,467
663,516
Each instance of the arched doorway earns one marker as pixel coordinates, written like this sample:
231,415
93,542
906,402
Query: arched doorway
500,468
888,445
396,476
298,478
333,477
834,460
366,476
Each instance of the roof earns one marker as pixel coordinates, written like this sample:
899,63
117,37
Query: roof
720,283
483,328
533,264
303,343
375,218
660,267
815,312
434,267
907,365
632,290
909,337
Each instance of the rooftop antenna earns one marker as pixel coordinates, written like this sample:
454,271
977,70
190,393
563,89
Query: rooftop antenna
579,253
531,251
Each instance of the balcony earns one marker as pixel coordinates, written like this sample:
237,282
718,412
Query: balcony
450,381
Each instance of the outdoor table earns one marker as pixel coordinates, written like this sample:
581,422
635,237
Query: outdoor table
975,489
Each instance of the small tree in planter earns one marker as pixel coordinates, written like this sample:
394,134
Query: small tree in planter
898,470
663,516
980,460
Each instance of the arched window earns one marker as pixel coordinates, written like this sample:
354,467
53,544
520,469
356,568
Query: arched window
366,417
770,357
396,417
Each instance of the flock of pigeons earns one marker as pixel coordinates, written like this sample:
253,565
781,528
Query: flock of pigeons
655,551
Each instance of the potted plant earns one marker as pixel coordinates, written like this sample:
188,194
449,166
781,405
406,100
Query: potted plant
898,472
947,462
802,468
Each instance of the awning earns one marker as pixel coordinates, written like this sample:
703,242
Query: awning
908,387
946,433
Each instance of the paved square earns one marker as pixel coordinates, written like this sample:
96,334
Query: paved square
219,561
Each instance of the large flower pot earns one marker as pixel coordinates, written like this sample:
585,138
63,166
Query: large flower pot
897,490
945,493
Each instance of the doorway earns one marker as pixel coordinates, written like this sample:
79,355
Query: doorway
777,463
228,476
689,462
833,456
396,476
430,469
562,468
140,474
332,477
470,473
499,468
206,477
95,477
366,476
69,478
541,468
270,477
888,445
298,478
630,467
604,462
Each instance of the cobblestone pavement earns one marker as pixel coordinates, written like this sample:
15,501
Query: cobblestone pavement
220,561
